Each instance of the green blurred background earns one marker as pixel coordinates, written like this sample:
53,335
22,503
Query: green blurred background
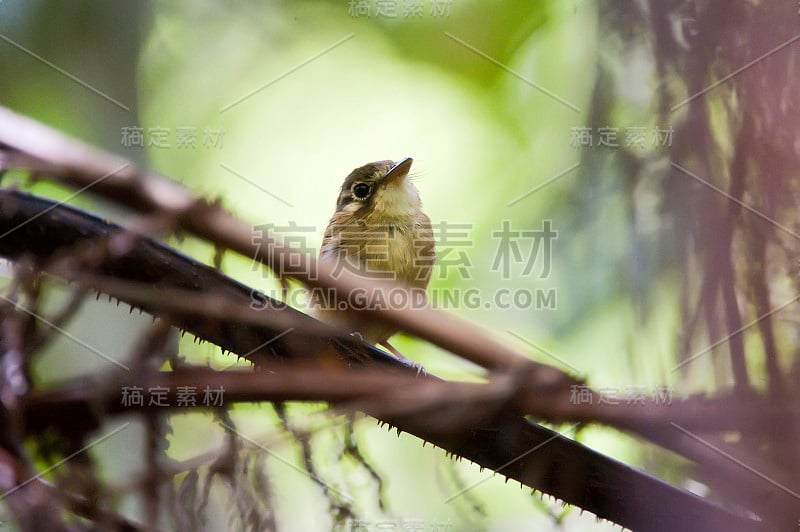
284,99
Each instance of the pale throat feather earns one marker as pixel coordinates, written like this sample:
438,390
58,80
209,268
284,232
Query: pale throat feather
397,202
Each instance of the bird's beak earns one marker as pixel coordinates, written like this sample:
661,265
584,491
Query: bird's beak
398,172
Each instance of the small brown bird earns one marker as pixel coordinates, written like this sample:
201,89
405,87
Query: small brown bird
380,232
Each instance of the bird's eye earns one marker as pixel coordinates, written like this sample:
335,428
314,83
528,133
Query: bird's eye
361,190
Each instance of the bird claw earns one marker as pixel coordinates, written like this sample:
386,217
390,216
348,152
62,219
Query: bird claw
401,357
419,367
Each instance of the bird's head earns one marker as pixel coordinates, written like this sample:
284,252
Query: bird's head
381,192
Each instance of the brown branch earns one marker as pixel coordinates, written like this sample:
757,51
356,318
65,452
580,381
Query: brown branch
435,409
499,439
29,144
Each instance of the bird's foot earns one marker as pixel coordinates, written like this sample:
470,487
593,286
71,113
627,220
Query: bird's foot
400,356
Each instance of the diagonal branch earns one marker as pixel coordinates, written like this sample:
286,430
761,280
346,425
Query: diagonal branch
501,438
495,438
29,144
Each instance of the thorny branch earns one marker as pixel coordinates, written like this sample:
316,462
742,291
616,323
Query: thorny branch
86,250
